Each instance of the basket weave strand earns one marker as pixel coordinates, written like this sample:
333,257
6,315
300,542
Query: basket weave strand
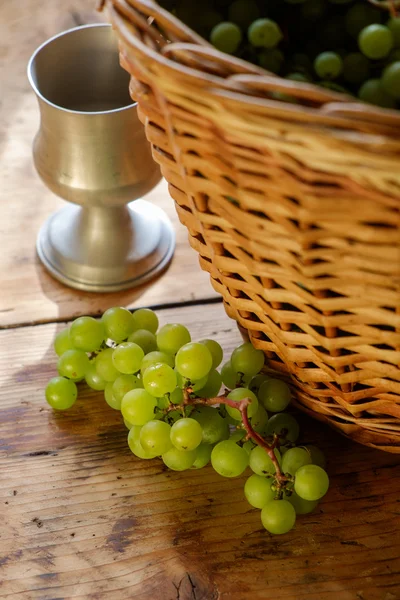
294,210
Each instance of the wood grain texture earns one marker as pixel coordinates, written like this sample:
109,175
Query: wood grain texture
28,293
82,518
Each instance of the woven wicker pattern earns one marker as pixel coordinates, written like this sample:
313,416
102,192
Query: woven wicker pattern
294,210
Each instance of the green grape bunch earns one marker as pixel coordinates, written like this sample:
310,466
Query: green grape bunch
348,46
185,406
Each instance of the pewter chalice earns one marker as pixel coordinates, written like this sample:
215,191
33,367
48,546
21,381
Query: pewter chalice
91,150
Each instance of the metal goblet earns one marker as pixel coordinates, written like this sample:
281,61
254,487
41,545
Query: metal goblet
91,150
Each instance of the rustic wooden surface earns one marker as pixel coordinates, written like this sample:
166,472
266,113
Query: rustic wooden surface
28,294
81,517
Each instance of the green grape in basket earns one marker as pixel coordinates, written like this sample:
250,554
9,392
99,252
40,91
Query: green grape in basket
226,37
264,33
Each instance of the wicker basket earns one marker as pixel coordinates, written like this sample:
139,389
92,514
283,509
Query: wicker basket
294,210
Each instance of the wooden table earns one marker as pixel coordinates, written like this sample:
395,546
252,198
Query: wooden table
81,517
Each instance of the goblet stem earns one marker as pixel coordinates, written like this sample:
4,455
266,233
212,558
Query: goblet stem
106,249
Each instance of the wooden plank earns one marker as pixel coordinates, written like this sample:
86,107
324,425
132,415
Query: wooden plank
83,518
28,293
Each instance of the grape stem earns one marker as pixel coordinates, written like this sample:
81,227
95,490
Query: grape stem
242,407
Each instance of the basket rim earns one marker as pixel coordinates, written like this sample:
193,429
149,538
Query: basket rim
190,55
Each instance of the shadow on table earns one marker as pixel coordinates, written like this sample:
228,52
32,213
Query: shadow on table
72,303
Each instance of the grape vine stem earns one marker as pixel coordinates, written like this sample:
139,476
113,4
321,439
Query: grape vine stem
242,407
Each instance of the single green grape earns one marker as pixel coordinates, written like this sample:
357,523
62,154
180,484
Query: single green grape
145,339
301,506
237,435
317,456
186,434
248,446
127,358
247,360
159,379
109,397
311,482
73,364
258,491
361,15
203,456
271,59
260,419
215,350
105,366
257,381
243,12
138,406
328,65
375,41
391,80
124,384
212,386
87,334
394,25
63,342
61,393
237,395
135,445
145,318
356,68
156,357
295,458
261,463
278,516
179,460
372,92
226,37
214,427
264,33
118,323
193,361
176,396
171,337
274,395
163,402
228,459
229,376
155,437
284,425
93,379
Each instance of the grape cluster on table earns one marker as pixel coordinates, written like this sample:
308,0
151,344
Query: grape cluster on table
173,399
349,46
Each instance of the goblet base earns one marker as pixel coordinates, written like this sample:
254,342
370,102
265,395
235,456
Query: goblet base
101,249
